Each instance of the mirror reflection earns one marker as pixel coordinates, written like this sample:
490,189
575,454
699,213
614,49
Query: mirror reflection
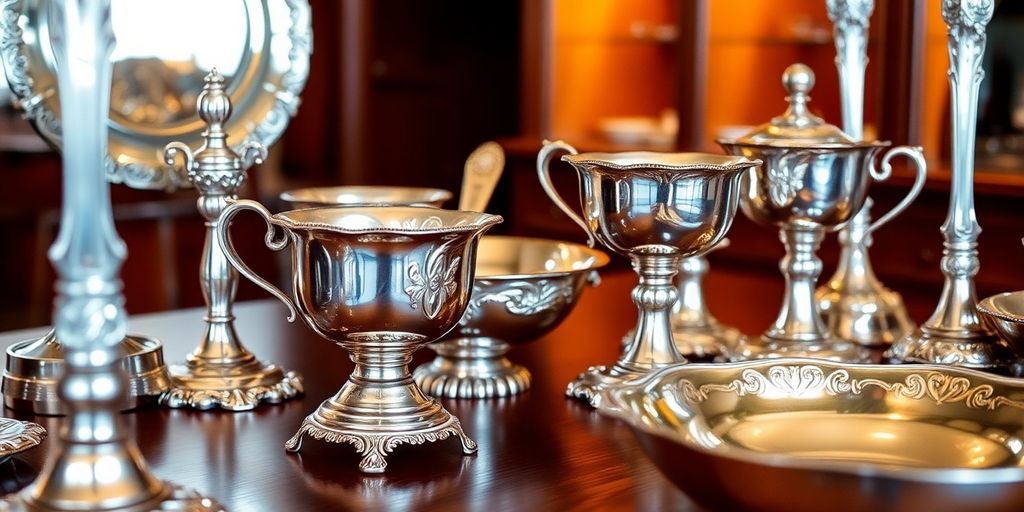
160,61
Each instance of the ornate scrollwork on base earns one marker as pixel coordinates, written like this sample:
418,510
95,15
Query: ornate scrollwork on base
234,399
590,384
375,447
17,436
985,353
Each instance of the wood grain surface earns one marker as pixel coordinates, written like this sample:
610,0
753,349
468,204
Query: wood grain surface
538,451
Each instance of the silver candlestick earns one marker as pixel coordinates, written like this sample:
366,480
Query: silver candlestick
856,306
95,466
221,372
955,334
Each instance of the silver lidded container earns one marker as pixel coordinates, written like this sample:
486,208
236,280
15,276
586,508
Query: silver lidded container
813,180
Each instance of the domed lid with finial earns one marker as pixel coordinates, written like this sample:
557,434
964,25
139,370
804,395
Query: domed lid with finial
797,126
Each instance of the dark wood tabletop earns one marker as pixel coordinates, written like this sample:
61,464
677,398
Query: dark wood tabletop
538,451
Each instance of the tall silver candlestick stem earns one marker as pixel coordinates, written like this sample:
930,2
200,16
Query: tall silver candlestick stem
955,334
96,465
221,372
856,306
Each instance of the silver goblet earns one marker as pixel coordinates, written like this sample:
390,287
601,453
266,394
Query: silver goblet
814,179
656,209
380,282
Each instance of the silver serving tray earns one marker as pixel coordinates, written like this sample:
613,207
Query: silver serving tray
807,435
262,47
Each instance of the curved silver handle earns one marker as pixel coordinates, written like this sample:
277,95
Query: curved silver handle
273,241
547,152
916,155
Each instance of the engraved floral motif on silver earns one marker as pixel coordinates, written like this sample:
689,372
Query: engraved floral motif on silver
521,298
432,286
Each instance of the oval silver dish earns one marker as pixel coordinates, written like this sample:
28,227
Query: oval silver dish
802,434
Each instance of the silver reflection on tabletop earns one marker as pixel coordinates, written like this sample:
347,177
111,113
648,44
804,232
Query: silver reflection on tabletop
95,466
955,333
221,372
856,306
655,209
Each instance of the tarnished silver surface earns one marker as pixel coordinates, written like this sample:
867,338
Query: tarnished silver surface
524,287
358,195
857,307
380,282
262,46
656,209
814,179
17,436
34,367
95,465
955,333
221,372
802,435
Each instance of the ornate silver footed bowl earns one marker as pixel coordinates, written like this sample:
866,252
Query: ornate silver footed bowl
358,195
656,209
735,436
380,282
814,179
524,287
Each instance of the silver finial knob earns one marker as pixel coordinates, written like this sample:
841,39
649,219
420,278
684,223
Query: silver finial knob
798,79
214,103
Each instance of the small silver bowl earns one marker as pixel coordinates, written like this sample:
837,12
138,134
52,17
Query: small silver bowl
524,287
365,196
1005,313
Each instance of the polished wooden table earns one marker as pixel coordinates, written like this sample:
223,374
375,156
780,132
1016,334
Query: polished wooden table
538,451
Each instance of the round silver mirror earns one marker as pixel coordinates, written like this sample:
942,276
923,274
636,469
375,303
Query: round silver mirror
164,49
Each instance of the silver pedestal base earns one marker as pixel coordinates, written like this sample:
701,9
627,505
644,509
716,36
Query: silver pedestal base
375,436
174,498
472,368
231,388
34,367
981,352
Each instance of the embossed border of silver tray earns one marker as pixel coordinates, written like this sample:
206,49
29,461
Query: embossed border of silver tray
264,91
17,436
804,434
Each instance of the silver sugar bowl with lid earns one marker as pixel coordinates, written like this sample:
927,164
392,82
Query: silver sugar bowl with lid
814,179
